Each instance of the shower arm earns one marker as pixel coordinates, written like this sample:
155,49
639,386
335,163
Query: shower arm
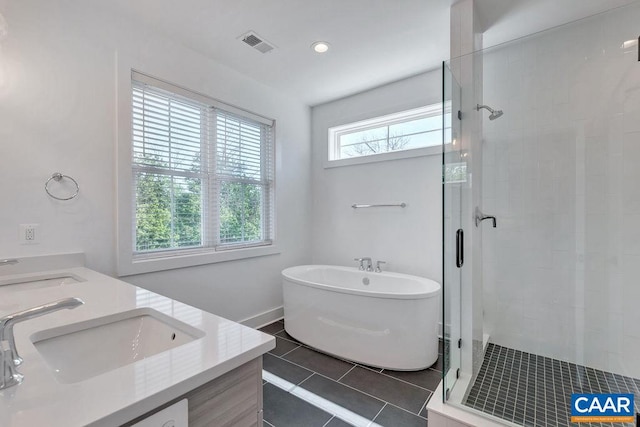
494,113
486,107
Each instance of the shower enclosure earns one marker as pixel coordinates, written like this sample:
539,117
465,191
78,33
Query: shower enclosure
453,178
558,279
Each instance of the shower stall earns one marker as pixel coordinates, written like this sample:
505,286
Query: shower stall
547,303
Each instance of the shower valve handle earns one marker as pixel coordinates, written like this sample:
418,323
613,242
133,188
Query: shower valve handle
479,217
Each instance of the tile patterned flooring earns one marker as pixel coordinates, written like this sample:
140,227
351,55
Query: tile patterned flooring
533,390
372,396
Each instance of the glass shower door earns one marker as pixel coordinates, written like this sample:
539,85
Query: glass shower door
454,173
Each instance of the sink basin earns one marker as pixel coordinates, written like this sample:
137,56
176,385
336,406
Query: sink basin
42,281
84,350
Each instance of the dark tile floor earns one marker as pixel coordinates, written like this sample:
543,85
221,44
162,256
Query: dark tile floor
297,375
532,390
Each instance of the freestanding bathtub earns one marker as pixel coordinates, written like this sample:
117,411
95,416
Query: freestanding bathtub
386,320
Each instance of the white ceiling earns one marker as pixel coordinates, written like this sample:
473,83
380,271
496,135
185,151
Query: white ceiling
373,42
506,20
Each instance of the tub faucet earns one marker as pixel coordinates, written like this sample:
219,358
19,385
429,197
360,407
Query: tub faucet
361,261
9,357
378,269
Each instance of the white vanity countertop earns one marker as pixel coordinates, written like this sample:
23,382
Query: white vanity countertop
122,394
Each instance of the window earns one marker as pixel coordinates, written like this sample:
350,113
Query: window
455,173
407,130
202,173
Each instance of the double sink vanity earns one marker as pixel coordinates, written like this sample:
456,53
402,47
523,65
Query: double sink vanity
101,352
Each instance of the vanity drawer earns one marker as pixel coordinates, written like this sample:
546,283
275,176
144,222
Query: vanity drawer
234,399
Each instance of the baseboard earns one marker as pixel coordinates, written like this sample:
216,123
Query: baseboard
264,318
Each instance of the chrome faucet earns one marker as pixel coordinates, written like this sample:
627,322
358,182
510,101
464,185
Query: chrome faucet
9,356
479,217
11,261
378,269
361,261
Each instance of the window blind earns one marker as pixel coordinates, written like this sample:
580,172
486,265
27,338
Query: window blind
203,177
243,179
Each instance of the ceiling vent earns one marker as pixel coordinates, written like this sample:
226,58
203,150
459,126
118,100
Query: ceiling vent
257,42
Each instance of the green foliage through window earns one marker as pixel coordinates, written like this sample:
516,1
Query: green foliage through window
240,212
168,212
181,199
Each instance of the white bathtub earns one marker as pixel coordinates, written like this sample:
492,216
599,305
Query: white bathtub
391,322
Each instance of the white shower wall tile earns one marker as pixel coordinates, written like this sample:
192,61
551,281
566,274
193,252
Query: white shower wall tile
489,191
630,319
631,154
595,281
633,344
561,171
597,321
595,261
629,278
616,362
615,291
631,111
615,337
597,234
631,236
597,181
563,232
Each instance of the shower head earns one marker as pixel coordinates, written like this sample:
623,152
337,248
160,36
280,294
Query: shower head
494,113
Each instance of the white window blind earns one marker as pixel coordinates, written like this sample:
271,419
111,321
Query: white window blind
203,175
244,176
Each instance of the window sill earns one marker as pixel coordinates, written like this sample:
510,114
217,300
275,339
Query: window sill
161,263
383,157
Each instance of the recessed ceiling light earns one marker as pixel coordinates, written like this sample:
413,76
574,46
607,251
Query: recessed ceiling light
320,47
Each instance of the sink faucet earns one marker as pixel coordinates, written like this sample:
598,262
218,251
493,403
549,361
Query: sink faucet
362,260
9,357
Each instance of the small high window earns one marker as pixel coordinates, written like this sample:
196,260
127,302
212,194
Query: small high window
407,130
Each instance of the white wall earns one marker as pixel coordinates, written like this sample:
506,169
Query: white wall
408,239
561,173
58,113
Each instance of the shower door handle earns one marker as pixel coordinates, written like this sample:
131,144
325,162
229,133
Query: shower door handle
459,248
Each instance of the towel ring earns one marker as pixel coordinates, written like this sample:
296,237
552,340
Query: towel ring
57,177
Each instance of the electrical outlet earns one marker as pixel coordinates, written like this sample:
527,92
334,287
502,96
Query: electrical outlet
29,234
